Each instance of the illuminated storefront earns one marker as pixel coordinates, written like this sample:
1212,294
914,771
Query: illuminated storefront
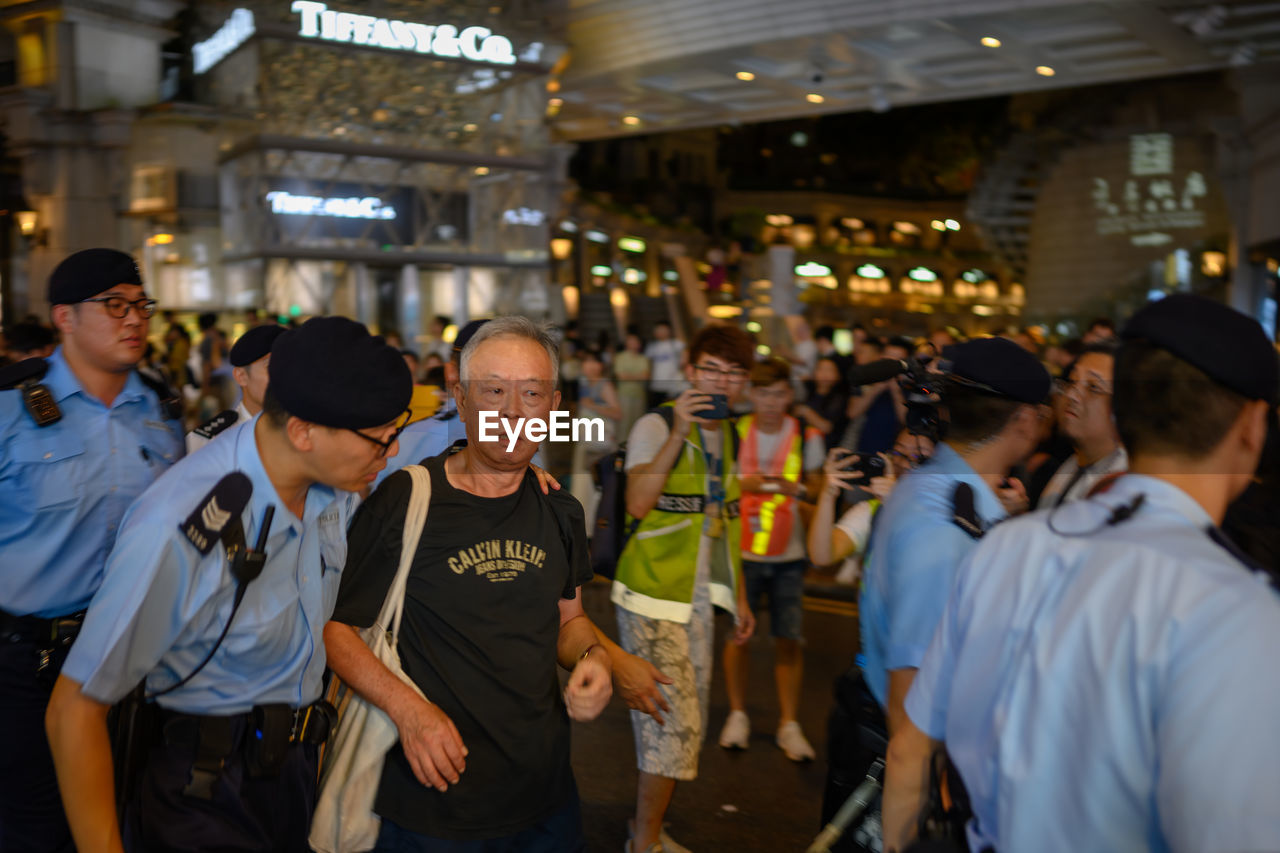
390,167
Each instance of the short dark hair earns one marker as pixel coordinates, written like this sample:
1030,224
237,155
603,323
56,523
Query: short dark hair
902,342
974,416
434,376
207,320
26,337
1107,347
1164,406
1104,322
770,372
824,333
272,409
723,341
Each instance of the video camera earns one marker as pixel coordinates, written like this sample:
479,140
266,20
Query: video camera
922,390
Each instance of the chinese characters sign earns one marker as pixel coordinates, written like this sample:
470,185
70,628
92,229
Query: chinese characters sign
1154,198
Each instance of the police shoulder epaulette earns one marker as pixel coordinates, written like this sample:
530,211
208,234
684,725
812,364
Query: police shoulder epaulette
170,402
964,512
217,423
13,375
217,516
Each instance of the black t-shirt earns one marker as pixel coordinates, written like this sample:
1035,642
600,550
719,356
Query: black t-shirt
478,635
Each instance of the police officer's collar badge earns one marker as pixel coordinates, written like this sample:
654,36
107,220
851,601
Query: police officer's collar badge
218,513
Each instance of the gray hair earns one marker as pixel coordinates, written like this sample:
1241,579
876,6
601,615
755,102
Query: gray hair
513,326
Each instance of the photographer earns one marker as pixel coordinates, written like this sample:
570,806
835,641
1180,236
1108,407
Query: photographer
845,541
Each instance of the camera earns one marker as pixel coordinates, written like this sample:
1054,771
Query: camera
868,468
922,390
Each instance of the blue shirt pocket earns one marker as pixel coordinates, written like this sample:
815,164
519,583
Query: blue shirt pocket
52,468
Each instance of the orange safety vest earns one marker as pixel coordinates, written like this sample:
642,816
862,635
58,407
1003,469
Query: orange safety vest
767,519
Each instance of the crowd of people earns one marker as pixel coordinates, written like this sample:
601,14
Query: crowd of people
1061,551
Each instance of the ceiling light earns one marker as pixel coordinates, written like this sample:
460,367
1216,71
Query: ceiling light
746,75
1045,71
990,41
556,102
952,225
814,98
631,121
938,225
482,170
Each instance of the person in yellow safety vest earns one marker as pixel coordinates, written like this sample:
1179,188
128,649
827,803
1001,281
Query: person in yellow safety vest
682,562
780,468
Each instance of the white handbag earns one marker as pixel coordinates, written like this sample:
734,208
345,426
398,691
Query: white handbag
344,820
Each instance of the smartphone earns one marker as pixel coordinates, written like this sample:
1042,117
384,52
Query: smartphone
720,410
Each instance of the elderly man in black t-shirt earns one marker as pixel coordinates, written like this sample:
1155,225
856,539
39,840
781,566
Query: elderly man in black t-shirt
492,605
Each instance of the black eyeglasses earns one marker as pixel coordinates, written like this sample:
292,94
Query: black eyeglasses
400,423
1091,386
118,306
735,374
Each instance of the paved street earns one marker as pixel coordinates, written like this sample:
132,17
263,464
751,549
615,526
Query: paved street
752,800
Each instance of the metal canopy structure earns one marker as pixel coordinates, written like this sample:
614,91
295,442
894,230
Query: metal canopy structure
643,67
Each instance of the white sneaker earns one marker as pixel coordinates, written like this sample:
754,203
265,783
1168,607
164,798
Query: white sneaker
664,844
736,733
792,741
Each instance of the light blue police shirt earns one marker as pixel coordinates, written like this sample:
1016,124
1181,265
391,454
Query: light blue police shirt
66,486
913,554
1114,688
162,605
422,440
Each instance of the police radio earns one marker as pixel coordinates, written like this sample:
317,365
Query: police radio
26,375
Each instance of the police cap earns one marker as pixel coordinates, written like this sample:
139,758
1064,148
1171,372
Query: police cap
332,372
1230,347
464,335
89,272
254,344
1001,367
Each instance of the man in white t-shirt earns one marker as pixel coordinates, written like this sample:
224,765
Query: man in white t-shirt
665,354
780,465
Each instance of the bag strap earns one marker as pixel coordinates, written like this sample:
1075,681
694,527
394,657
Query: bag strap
414,519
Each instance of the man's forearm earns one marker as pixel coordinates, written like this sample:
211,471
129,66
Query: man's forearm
645,482
576,637
353,662
906,780
81,747
821,528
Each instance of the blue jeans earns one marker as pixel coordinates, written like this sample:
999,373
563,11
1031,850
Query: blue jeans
560,832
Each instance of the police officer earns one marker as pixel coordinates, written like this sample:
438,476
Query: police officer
82,434
1104,675
250,358
993,394
228,646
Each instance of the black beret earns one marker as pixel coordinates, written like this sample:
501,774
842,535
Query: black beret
1003,367
255,344
1230,347
332,372
87,273
464,335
